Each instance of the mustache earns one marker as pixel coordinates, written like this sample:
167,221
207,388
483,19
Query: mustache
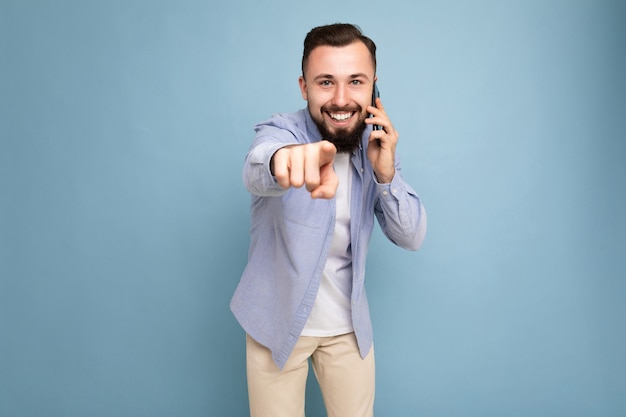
335,109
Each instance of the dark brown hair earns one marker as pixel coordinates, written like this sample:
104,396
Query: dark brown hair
338,34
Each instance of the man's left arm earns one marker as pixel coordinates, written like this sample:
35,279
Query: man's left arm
399,210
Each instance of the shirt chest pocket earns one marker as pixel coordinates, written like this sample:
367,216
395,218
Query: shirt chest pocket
298,207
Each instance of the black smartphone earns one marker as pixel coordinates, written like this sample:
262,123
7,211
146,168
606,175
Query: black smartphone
375,94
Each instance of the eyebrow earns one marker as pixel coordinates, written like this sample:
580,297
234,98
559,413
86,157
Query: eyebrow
330,76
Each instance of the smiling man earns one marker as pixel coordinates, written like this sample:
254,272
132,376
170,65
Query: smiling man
338,99
318,178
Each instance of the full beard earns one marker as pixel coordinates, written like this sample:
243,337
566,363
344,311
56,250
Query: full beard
345,140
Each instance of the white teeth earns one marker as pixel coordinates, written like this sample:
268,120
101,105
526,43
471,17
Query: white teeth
341,116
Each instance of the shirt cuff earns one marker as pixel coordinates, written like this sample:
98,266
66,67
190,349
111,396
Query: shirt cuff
389,191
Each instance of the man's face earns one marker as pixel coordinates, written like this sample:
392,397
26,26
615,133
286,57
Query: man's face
337,85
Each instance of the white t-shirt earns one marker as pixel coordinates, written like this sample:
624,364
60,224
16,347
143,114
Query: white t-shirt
331,314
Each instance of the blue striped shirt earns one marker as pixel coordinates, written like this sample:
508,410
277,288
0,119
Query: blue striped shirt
291,232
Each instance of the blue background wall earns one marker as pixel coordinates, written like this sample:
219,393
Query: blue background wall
123,226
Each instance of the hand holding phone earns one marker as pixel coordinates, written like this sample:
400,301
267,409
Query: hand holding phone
382,143
375,95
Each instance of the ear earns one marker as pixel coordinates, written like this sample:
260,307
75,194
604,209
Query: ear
302,83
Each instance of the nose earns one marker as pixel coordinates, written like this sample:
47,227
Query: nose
340,96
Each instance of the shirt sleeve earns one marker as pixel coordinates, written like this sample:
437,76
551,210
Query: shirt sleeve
257,176
400,213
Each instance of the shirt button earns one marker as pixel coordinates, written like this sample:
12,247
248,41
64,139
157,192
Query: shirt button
385,192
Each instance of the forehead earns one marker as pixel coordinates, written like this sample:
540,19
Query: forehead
340,60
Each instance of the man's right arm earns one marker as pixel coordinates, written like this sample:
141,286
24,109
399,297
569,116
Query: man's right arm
257,174
310,165
273,167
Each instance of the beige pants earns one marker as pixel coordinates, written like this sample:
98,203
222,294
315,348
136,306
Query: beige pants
346,381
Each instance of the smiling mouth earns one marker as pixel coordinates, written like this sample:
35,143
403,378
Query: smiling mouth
340,117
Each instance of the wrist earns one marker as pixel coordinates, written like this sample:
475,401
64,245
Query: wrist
384,178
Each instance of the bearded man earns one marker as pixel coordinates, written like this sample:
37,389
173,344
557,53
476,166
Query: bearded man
318,178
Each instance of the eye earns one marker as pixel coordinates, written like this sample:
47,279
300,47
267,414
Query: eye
356,82
325,83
